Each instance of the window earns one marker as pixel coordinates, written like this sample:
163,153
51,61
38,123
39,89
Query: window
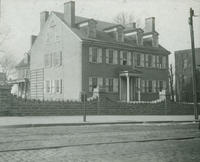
47,60
111,56
123,58
148,61
47,86
57,58
140,59
159,62
111,84
150,88
57,86
115,85
95,55
160,85
185,62
153,61
92,83
95,82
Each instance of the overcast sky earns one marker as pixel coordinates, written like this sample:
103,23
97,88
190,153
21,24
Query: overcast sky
21,19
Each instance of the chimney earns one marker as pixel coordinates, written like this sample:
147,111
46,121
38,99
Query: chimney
43,18
149,24
69,13
134,25
33,38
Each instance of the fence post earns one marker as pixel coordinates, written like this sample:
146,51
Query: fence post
83,99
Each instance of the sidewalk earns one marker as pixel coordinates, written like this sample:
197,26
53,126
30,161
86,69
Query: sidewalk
27,121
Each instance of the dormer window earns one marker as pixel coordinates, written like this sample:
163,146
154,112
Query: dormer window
88,27
116,32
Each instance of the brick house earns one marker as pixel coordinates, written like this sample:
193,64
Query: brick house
72,54
183,74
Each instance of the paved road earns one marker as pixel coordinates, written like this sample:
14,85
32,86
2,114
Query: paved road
146,142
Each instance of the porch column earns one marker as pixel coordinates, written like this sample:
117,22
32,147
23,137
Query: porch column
139,89
128,89
120,90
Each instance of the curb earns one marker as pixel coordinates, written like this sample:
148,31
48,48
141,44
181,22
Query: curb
96,123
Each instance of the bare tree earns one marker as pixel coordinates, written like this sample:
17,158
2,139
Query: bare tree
7,64
124,19
171,82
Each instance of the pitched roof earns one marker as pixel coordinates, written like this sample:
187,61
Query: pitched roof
102,36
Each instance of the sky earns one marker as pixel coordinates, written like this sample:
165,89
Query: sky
21,18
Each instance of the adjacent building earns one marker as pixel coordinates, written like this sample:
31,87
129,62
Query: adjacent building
72,54
183,75
3,78
22,80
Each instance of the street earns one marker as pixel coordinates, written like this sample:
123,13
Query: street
127,142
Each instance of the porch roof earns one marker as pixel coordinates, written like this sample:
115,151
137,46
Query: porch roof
16,81
134,72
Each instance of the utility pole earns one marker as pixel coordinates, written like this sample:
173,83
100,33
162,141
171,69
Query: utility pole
193,64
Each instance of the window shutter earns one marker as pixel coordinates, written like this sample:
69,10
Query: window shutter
157,61
50,59
154,85
164,62
143,85
153,61
60,59
60,90
53,86
142,60
50,82
134,60
147,85
164,85
45,86
99,55
115,85
90,84
107,56
146,61
121,57
107,84
90,54
115,57
129,58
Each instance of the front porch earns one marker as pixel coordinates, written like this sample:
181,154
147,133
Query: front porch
129,86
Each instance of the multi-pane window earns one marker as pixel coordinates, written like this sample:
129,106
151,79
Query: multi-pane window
47,60
161,85
125,58
148,61
53,59
95,55
140,59
53,86
161,62
111,84
148,86
111,56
